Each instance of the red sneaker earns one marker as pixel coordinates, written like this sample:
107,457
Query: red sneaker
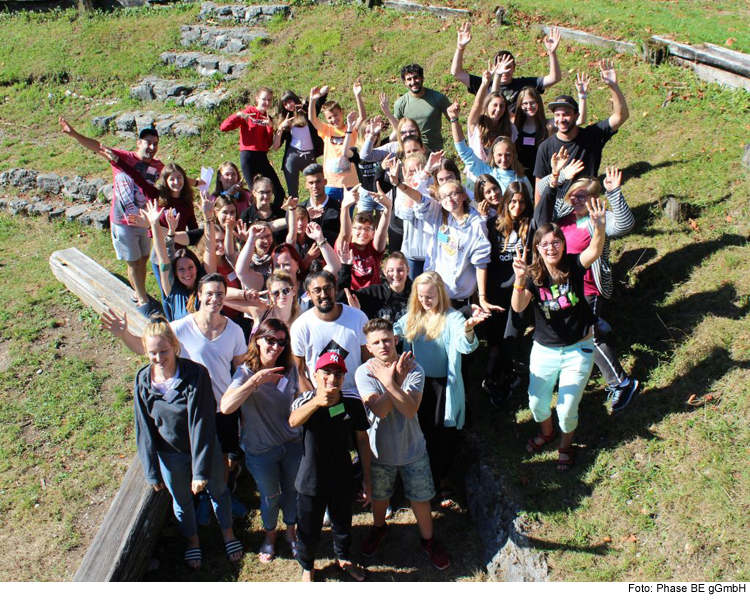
438,554
371,542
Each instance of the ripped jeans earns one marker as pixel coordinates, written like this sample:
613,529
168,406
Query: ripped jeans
274,473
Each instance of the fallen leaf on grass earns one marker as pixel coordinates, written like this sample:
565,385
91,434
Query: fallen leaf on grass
693,225
730,41
632,538
607,539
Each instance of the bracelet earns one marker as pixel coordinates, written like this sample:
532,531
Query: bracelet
170,235
480,294
347,132
320,243
582,96
453,120
519,288
210,219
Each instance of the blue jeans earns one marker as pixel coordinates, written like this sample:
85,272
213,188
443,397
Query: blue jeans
416,268
572,365
177,473
274,473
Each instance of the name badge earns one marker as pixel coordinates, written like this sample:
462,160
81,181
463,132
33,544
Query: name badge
336,409
529,141
152,170
443,237
281,386
232,276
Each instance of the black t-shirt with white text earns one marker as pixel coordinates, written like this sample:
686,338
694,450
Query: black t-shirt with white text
587,146
326,466
562,314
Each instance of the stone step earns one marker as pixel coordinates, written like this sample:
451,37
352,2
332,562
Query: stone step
131,123
181,94
225,39
205,65
241,13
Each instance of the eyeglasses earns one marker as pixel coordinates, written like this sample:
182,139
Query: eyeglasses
274,342
409,132
579,197
266,193
456,195
555,244
362,229
281,292
318,290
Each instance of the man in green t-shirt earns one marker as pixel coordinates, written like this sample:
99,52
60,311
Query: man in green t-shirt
425,107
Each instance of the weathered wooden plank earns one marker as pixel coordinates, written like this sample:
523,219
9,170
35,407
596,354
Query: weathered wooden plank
742,58
706,56
598,41
96,286
127,536
715,75
415,7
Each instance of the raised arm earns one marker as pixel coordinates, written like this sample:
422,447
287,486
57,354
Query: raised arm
476,108
249,278
90,143
621,221
381,233
210,260
314,232
118,326
351,197
620,112
582,87
521,296
151,214
312,115
233,121
468,156
463,38
361,110
386,110
552,42
283,127
597,217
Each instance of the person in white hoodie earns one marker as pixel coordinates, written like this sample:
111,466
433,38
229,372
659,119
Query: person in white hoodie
457,246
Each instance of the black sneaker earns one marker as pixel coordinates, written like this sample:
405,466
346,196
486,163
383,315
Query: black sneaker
620,397
490,387
501,395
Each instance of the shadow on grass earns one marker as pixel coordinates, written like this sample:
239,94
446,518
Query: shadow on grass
638,318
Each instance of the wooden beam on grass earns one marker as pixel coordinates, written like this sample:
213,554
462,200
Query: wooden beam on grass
710,55
96,286
415,7
597,41
126,538
710,74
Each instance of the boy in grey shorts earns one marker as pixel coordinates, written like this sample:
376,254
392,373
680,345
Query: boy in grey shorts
391,390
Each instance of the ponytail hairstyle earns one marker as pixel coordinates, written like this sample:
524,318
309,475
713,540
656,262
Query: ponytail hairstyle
504,223
158,326
538,269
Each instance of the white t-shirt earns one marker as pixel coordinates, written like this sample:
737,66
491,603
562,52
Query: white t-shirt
216,355
301,138
312,337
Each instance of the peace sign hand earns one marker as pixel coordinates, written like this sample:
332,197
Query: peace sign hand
520,268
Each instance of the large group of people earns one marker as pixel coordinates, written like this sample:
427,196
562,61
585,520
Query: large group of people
293,331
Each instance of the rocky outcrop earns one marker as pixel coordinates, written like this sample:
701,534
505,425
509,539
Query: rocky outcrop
206,65
131,123
241,12
161,89
227,40
74,188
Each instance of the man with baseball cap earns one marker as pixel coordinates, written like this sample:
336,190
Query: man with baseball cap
132,243
326,475
582,143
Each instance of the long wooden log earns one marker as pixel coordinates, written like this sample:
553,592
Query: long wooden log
96,286
718,57
126,538
590,39
715,75
415,7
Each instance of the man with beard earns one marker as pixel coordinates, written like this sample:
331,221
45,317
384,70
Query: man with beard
328,327
425,107
131,242
584,144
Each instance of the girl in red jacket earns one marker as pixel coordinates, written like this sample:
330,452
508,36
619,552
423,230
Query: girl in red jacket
256,139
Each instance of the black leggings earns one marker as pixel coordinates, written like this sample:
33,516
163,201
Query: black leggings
310,511
255,163
441,442
605,357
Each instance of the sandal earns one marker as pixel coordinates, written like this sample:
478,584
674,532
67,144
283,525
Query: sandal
295,548
267,552
567,464
532,446
193,555
355,571
232,547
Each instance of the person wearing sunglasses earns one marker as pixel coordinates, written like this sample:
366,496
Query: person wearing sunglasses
264,387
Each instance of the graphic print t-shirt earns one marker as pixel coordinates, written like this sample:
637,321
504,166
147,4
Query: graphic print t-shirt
561,313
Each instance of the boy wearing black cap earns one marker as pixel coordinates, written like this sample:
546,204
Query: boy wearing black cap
326,476
584,143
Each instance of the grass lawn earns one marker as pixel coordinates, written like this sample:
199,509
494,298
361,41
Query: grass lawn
658,492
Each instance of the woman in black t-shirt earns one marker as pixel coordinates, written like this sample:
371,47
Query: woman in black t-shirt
563,338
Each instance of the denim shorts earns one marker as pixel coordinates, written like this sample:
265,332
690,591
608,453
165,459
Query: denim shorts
417,479
131,243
